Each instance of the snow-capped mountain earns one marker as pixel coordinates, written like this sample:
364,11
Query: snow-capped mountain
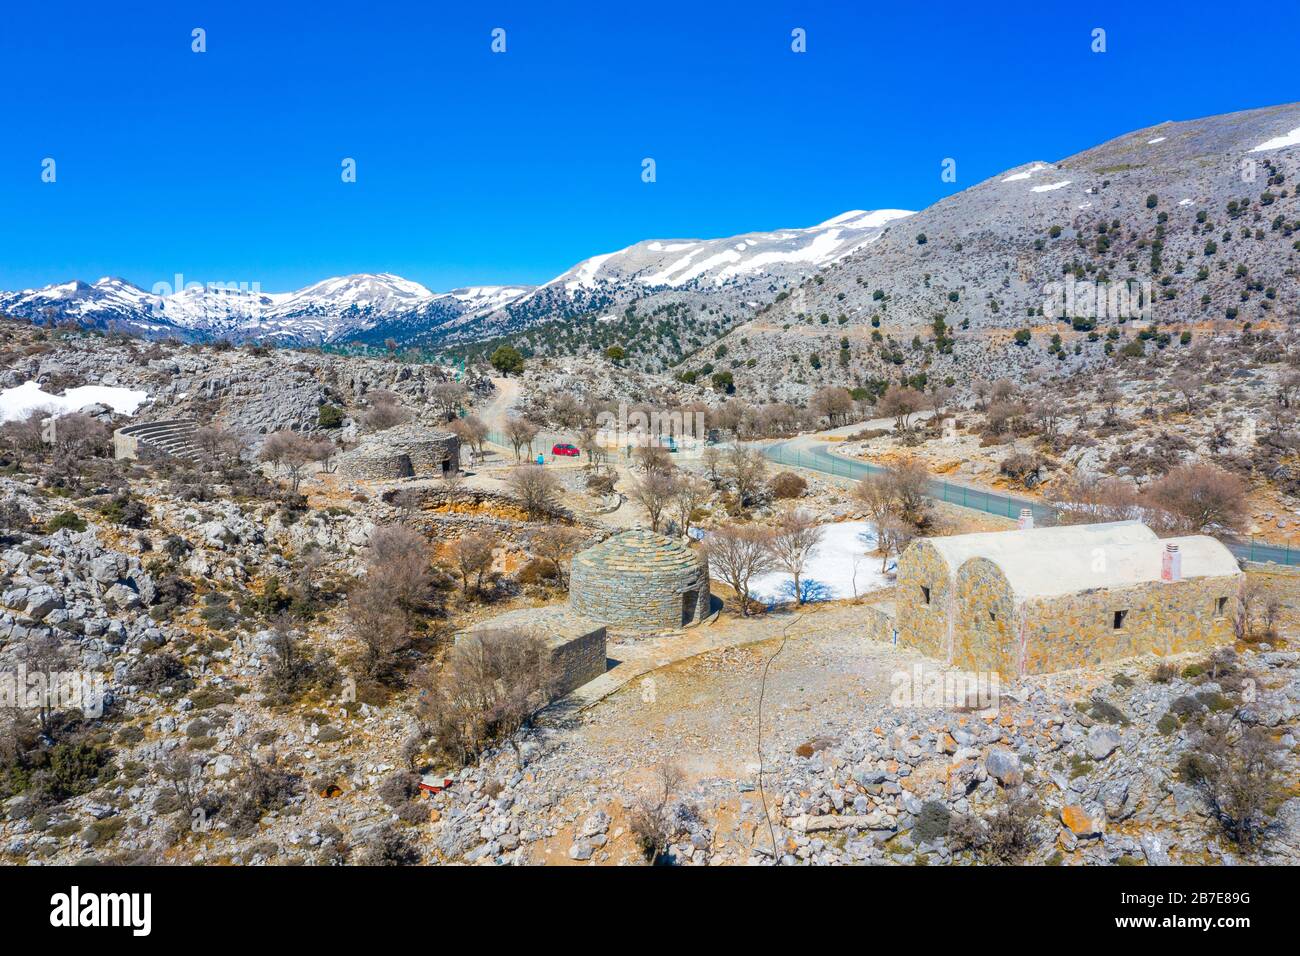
736,275
740,271
678,263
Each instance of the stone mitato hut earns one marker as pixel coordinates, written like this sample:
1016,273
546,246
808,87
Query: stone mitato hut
1046,599
576,644
410,450
641,582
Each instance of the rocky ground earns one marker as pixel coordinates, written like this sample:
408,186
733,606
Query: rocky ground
850,776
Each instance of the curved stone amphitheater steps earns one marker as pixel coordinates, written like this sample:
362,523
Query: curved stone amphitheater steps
173,437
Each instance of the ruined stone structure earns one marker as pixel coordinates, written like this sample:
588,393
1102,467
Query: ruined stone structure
172,437
1039,600
576,643
404,451
641,582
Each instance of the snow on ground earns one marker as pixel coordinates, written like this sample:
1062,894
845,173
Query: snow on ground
1158,139
1016,177
18,402
1048,188
842,560
1278,142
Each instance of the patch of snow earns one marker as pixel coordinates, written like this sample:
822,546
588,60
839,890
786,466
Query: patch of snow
1048,188
18,402
1279,142
1016,177
840,566
1158,139
1184,202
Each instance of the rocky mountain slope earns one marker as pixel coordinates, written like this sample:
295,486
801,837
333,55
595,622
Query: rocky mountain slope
1176,226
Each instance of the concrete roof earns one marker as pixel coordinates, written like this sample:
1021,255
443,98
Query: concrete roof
956,549
1077,568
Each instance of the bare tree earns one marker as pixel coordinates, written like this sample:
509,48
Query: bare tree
689,493
711,458
833,403
471,555
901,403
795,535
219,445
447,397
472,433
536,488
653,491
521,433
737,553
747,469
555,546
294,452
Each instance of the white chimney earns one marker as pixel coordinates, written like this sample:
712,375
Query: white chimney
1171,564
1026,519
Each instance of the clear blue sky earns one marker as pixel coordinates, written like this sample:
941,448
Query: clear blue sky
478,168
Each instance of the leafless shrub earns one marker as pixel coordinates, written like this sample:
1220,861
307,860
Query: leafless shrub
385,412
787,484
555,546
1236,769
1203,498
653,821
491,686
537,490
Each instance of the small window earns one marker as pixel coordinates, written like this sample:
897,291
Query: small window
925,593
1120,618
1221,606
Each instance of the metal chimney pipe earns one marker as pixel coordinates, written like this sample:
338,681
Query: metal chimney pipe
1171,564
1026,519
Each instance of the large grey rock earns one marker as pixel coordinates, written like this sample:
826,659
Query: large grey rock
1004,766
1101,742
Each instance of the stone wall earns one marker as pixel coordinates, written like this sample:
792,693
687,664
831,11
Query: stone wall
924,625
879,622
641,582
1039,635
577,644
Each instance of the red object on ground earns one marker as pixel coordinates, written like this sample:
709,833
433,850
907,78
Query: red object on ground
567,451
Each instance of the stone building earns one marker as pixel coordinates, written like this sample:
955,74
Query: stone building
641,582
576,643
1039,600
410,450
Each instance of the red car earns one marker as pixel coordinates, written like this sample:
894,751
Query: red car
565,451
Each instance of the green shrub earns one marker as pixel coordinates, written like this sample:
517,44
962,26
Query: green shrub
329,416
67,519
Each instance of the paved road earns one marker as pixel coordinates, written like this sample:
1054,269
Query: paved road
817,456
